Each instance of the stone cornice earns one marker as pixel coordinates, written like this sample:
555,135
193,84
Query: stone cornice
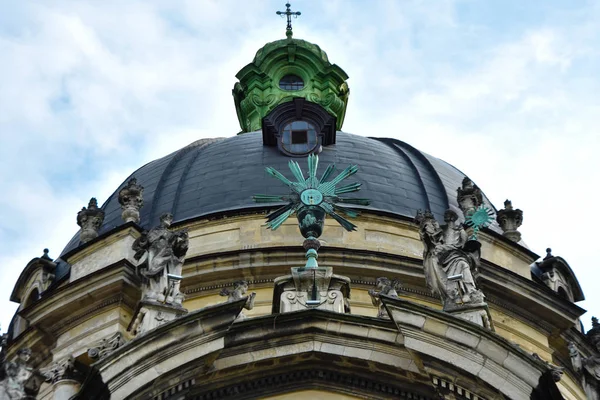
90,293
530,295
102,240
194,336
467,346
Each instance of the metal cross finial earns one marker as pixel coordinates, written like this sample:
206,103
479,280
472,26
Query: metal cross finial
288,12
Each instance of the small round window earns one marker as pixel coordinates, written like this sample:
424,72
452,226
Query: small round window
291,82
299,137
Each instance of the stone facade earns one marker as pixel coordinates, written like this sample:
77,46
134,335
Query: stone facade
160,308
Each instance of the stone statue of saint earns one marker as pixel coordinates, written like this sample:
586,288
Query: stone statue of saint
448,259
161,253
386,286
17,379
240,290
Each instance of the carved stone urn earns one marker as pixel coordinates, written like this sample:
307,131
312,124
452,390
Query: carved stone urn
311,220
510,220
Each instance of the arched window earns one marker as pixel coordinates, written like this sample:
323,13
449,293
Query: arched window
563,293
34,295
291,82
299,137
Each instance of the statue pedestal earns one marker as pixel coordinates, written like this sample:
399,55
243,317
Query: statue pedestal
151,314
476,313
311,288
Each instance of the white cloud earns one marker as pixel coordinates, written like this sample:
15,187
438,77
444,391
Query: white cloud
89,92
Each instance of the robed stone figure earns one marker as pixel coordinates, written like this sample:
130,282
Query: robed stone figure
161,253
449,259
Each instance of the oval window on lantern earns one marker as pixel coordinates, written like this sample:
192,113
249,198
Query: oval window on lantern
299,138
291,82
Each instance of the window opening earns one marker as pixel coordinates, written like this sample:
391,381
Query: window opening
299,137
291,82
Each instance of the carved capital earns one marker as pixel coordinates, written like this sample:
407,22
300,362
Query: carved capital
90,220
106,346
131,200
60,370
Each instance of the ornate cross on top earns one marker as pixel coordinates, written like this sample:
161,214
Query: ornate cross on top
288,12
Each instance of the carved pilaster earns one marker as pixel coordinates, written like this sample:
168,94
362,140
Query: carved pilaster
469,197
131,200
387,287
90,220
240,290
510,220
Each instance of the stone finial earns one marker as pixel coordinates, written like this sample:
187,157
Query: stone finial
548,253
593,335
469,197
240,289
90,220
510,220
386,287
131,200
46,256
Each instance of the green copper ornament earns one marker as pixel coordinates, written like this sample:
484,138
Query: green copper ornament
480,218
312,198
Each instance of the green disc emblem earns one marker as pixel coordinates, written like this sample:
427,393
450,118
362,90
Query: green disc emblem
311,197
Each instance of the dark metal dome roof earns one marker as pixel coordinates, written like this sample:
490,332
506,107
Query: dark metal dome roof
212,176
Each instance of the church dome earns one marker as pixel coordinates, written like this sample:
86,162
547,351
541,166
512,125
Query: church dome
426,296
219,176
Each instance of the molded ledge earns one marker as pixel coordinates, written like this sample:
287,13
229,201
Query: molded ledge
466,346
133,367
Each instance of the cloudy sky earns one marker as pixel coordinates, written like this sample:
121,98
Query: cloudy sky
507,91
